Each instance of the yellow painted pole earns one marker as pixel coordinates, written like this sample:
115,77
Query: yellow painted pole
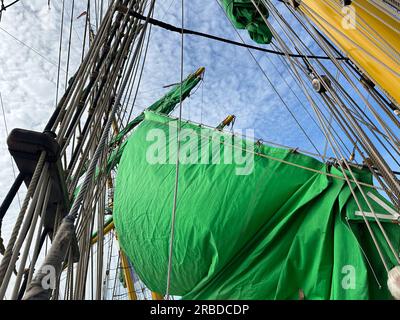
156,296
359,31
227,121
107,229
199,72
127,276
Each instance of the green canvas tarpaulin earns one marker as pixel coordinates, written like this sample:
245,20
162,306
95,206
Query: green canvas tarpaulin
164,105
167,103
244,15
270,234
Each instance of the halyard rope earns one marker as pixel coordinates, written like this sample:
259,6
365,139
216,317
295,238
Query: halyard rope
171,241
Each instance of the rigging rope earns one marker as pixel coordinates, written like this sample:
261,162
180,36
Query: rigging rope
92,166
4,7
356,74
365,140
140,78
2,248
31,48
172,28
276,91
336,97
178,131
12,161
59,51
69,42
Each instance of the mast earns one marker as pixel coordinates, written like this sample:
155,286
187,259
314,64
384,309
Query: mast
80,149
72,145
366,33
70,167
367,134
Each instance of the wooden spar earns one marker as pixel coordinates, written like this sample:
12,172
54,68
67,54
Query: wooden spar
126,268
199,72
107,229
227,122
127,276
156,296
362,43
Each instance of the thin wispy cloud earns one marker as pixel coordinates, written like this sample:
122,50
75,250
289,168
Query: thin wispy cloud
233,83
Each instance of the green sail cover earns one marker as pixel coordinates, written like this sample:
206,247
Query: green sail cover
164,105
244,15
267,235
167,103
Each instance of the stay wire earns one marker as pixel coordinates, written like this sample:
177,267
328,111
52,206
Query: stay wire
59,51
281,98
69,43
11,158
172,28
31,48
173,218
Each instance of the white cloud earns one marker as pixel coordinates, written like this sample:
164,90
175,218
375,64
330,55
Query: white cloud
233,83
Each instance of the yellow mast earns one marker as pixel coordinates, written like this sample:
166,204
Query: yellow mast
126,268
369,36
156,296
127,276
106,230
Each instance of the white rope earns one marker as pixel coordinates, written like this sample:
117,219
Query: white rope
313,12
59,51
11,158
270,82
271,157
171,242
358,185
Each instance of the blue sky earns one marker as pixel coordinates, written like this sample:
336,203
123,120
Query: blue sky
233,82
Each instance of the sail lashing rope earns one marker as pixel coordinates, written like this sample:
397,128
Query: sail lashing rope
347,168
176,186
61,119
344,111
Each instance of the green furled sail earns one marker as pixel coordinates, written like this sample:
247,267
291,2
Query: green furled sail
167,103
164,105
244,15
284,227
